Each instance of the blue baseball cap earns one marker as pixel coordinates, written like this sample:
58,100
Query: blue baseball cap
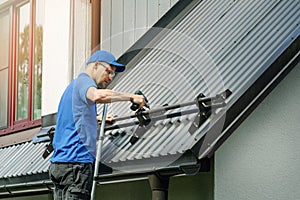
104,56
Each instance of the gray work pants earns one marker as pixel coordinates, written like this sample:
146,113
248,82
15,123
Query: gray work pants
72,180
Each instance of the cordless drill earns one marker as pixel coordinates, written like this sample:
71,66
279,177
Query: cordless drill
135,106
144,119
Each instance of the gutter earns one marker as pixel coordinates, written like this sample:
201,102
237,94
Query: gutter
26,189
189,168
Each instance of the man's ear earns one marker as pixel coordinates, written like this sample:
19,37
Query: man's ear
96,65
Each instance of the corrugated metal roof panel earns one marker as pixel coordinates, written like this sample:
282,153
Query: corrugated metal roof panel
215,46
23,159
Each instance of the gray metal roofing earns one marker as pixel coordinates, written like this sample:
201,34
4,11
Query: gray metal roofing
22,160
214,46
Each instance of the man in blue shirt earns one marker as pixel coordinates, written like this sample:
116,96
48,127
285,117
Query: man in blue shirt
74,142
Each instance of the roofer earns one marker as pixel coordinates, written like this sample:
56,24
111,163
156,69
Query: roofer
73,159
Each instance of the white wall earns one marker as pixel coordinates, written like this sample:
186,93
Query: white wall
124,22
261,159
66,47
56,62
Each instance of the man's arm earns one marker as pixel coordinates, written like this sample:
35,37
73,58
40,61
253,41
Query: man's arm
109,96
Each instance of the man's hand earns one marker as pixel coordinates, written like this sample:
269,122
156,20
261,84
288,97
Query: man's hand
138,99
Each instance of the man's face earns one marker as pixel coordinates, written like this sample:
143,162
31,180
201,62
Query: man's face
104,74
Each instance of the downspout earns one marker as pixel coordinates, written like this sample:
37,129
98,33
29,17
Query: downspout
96,24
159,186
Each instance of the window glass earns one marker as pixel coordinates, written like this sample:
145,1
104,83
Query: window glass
23,61
4,55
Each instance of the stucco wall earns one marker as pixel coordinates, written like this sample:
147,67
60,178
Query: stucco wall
261,159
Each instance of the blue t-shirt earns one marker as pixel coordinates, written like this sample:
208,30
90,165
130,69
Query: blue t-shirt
76,124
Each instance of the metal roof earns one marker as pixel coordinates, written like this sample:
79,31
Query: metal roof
23,170
208,47
22,160
216,45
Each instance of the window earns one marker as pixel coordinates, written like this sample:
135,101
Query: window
21,36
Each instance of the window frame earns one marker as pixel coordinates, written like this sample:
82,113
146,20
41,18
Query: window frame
14,125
